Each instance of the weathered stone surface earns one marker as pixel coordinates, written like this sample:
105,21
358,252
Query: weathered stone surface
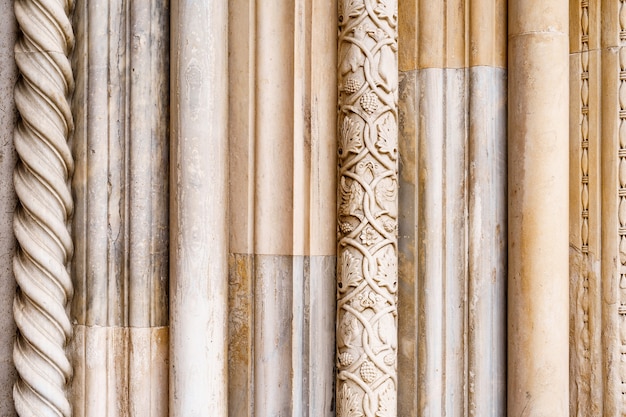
538,130
8,76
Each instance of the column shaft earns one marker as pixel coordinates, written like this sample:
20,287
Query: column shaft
367,251
120,268
199,202
8,200
42,183
538,209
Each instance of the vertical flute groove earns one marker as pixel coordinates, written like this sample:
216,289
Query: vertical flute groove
367,280
41,221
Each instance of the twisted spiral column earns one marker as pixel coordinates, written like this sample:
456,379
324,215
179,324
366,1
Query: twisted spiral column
367,281
41,221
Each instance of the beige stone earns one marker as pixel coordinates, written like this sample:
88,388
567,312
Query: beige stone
8,76
538,307
198,209
442,28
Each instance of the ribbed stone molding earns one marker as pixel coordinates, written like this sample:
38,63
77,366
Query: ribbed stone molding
452,208
282,187
120,225
41,179
199,209
367,253
538,281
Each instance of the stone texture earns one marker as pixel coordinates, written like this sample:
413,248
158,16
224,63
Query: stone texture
8,76
538,129
487,242
121,177
120,225
123,371
441,248
198,209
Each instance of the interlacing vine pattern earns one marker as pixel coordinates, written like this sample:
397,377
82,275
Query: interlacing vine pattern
367,279
41,223
582,339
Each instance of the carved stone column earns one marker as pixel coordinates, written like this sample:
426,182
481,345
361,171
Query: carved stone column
120,267
367,253
199,209
538,289
42,183
8,199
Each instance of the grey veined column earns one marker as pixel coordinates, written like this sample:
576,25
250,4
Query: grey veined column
367,277
199,201
120,266
42,185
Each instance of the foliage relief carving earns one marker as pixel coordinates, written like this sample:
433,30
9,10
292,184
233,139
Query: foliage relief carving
367,209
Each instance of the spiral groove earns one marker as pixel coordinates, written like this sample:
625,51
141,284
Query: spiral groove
41,223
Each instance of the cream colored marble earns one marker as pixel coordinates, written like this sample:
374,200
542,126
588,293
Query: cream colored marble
538,130
198,209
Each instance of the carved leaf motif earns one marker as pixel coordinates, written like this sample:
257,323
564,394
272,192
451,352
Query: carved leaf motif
348,403
351,8
350,271
386,10
350,137
387,136
387,271
386,403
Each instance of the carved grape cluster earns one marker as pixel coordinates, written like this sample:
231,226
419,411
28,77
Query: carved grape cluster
368,372
369,102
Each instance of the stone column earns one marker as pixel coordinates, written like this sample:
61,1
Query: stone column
120,267
41,222
282,70
199,208
452,263
487,209
8,157
538,209
367,250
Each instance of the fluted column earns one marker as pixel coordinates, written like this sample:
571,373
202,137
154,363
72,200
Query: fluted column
367,252
282,66
42,182
452,216
120,267
538,209
199,207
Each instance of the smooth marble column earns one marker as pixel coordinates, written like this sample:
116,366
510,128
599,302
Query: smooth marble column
538,128
199,209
